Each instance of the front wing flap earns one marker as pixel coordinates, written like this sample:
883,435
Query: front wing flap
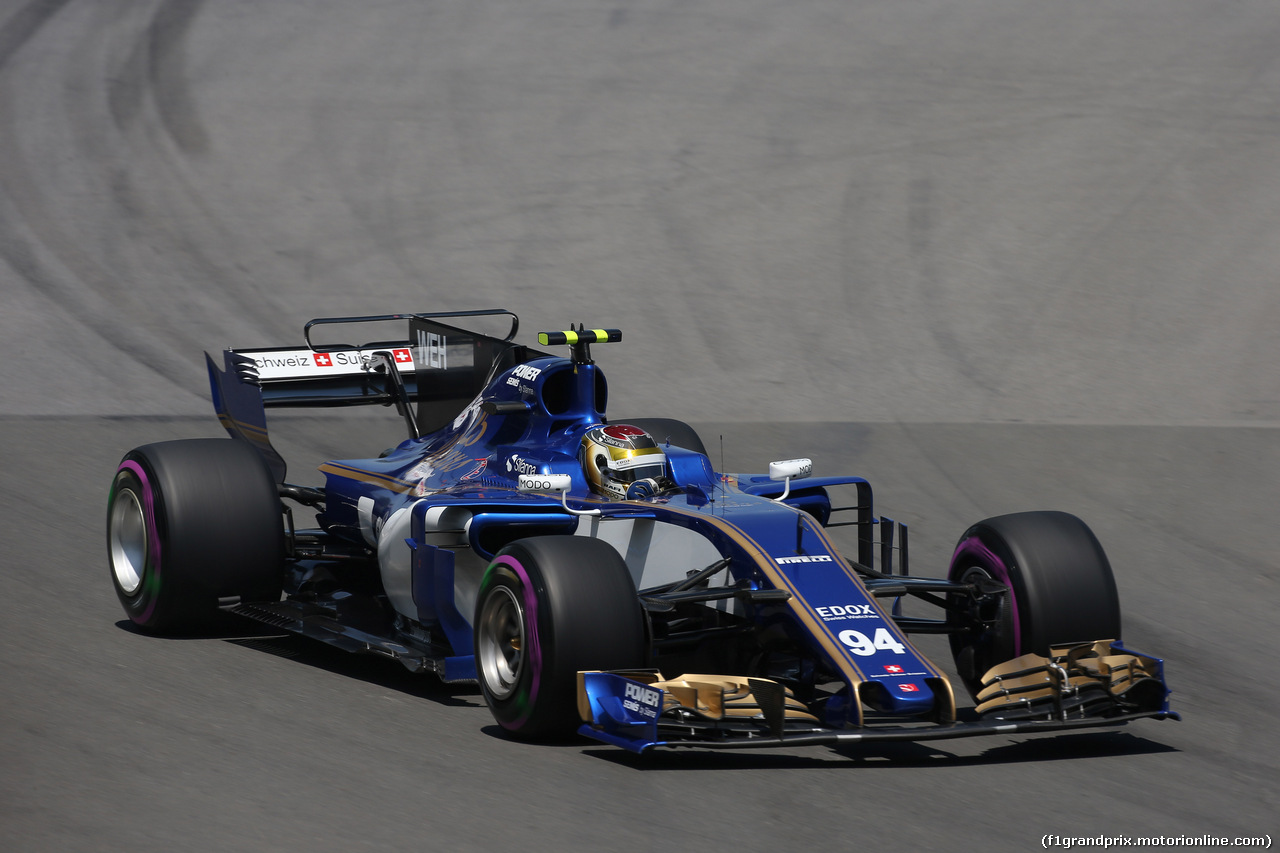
1086,679
1090,685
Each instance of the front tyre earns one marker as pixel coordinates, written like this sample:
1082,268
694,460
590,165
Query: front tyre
549,607
1060,589
189,523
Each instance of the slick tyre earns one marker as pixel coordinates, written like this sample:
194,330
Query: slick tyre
548,607
663,430
190,523
1060,589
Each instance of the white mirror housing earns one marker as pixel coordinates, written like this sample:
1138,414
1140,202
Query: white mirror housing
544,483
790,469
560,483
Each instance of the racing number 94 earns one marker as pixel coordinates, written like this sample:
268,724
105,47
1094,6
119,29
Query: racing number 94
858,642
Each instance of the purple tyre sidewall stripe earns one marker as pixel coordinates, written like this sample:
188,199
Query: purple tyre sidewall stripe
984,557
153,539
533,655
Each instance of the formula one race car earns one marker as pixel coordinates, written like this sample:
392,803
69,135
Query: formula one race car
587,572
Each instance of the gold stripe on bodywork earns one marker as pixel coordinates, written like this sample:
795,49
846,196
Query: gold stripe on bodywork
254,432
394,484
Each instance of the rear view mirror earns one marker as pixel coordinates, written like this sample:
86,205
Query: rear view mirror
788,470
545,483
560,483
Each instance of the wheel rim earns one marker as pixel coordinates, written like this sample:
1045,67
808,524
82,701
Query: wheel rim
128,541
976,571
502,642
983,650
991,565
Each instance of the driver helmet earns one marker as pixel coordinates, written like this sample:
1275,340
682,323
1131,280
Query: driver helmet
623,462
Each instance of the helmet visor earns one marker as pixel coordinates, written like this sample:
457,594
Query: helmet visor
647,463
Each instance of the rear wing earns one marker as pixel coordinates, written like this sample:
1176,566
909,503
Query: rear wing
429,376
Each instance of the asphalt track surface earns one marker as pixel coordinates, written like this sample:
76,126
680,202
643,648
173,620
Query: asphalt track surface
992,254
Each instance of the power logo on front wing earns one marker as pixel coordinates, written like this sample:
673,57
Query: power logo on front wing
642,700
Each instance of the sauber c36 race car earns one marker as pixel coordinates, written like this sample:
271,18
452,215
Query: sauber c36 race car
600,575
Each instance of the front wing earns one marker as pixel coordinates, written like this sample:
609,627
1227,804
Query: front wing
1083,686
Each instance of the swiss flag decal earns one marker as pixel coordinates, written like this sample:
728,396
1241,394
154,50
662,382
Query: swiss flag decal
323,359
893,667
402,356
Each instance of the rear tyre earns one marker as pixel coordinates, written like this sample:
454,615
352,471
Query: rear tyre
548,607
1061,589
189,523
663,430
